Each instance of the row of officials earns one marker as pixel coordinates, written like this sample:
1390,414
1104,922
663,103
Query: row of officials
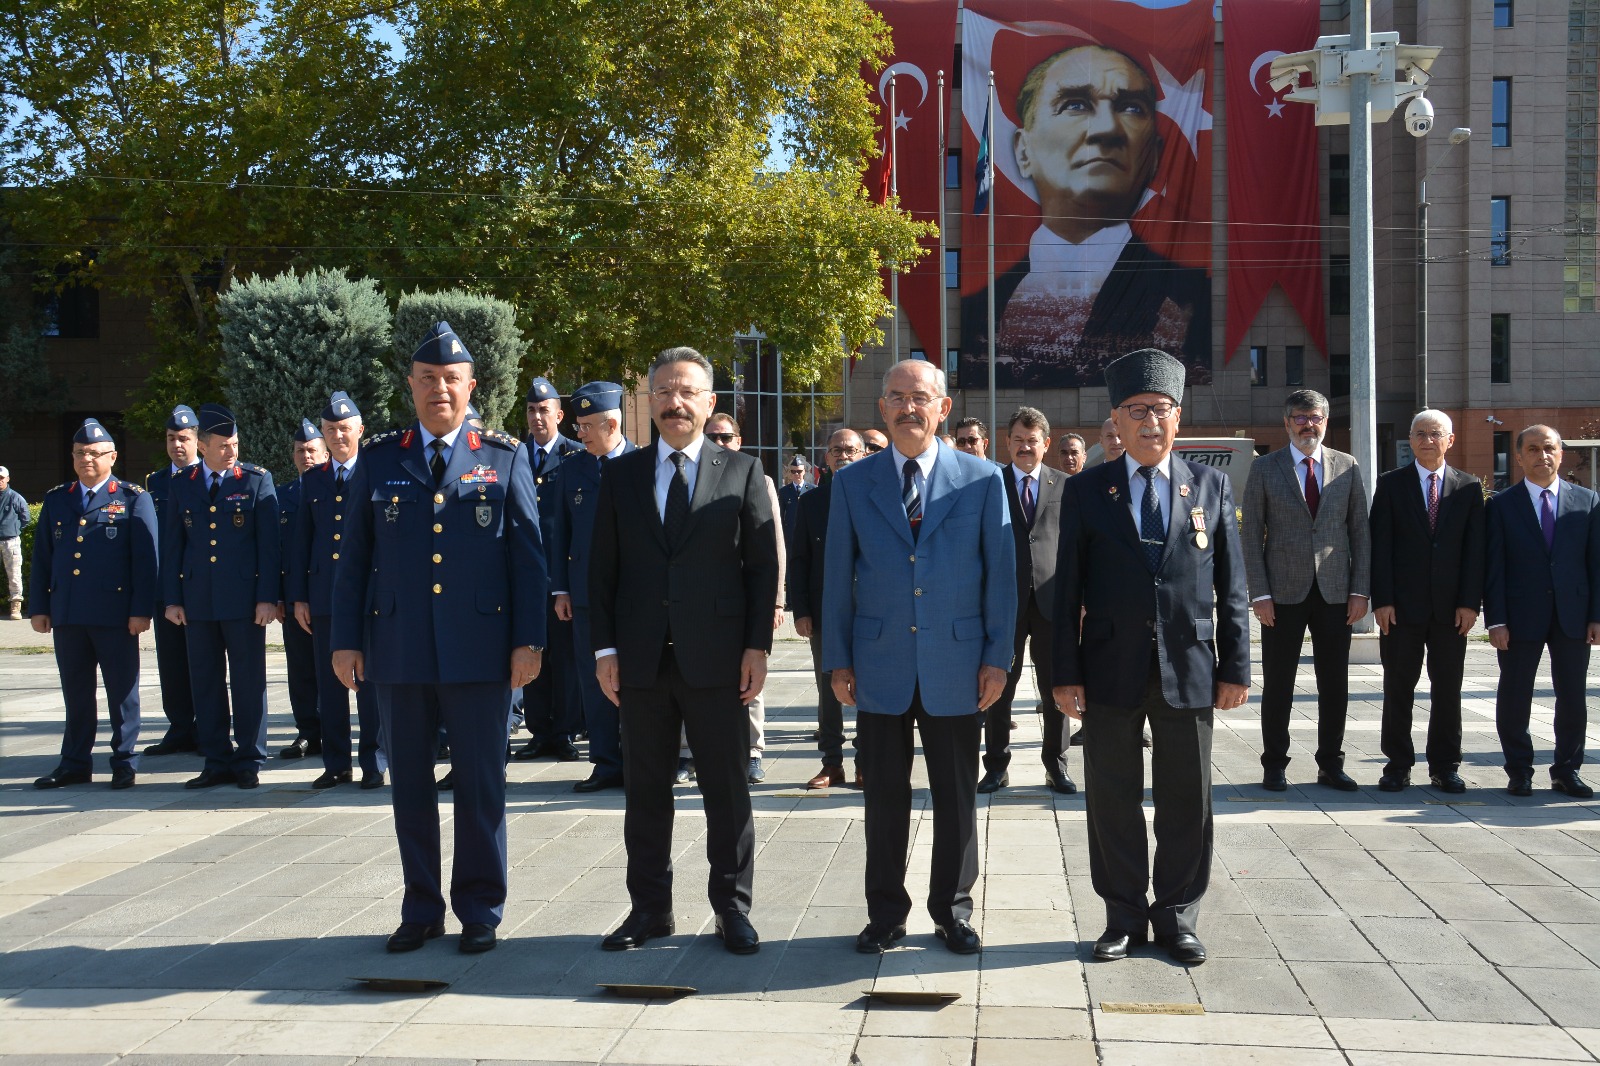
416,565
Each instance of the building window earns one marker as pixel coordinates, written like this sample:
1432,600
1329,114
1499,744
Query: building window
955,70
919,353
1500,231
1500,122
1338,185
1258,364
1338,285
1502,460
1338,376
952,268
1500,349
72,313
1294,365
952,356
1502,13
952,170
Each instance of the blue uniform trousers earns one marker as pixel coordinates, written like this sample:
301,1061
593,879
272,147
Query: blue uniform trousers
115,652
301,658
223,655
333,707
177,697
600,715
474,715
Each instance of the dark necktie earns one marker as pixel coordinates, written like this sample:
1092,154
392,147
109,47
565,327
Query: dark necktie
538,458
339,476
88,498
1433,503
1547,519
1028,502
676,513
912,498
1152,534
1313,490
216,483
437,465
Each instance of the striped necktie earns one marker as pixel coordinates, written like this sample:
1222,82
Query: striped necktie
912,498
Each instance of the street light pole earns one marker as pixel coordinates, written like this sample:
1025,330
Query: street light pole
1459,135
1363,322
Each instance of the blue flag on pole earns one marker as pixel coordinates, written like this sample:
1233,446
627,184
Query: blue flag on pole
985,174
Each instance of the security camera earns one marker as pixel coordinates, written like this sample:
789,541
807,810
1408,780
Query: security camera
1419,117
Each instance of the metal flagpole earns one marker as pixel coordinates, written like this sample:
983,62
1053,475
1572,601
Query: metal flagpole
944,291
989,125
894,191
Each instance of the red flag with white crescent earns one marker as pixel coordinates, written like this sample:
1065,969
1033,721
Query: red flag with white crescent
1274,236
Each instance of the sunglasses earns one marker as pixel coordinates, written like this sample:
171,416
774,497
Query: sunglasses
722,438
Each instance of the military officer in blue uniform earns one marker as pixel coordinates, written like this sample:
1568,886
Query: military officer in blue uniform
439,601
300,656
93,588
317,543
221,570
552,706
571,496
172,650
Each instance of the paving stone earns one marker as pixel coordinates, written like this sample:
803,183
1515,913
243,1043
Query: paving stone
1357,990
1461,993
1236,936
1567,996
1283,896
1318,938
1249,986
1413,867
1554,904
1472,902
1376,898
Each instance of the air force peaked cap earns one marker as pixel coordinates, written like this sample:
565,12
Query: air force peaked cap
596,396
340,407
92,432
215,418
541,389
307,431
441,347
1146,370
182,417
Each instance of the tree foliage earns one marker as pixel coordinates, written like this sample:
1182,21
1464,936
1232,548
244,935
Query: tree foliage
486,325
30,386
289,341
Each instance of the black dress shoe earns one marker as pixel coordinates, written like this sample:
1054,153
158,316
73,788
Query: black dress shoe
531,750
1450,783
1520,784
121,779
597,781
169,747
994,782
959,937
442,754
1396,782
1337,780
58,778
210,779
1573,786
297,750
876,939
1059,782
447,783
1184,948
1114,944
373,780
412,935
636,928
737,934
565,751
246,778
329,778
476,938
314,747
1274,781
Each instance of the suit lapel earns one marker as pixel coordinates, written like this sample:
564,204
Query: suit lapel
1416,504
1527,512
713,461
1178,520
1566,504
1290,466
1118,495
462,458
941,491
645,485
886,494
414,460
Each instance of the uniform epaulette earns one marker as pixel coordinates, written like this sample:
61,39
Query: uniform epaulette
63,486
131,487
379,438
251,468
500,437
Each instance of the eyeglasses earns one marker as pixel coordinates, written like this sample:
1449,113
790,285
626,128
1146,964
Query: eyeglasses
913,399
842,451
1434,437
93,455
1140,411
1308,420
687,395
722,438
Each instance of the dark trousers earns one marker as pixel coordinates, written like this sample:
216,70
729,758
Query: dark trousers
114,652
600,716
224,655
333,708
1402,650
1180,786
552,707
886,747
475,715
1032,626
1569,668
177,696
300,657
718,726
1280,659
830,712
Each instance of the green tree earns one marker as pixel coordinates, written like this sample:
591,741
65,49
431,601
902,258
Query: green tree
31,387
289,341
486,325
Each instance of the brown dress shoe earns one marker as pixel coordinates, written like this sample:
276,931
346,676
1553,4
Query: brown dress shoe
861,782
827,778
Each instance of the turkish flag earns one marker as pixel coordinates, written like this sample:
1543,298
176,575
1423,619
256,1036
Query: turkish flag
1274,236
924,34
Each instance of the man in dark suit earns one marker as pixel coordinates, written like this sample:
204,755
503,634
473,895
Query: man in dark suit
796,483
919,601
683,585
299,650
1150,555
1427,586
1543,590
807,556
1308,558
439,600
1033,493
94,590
572,496
172,649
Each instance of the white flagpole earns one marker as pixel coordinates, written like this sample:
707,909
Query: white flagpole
894,190
944,293
993,425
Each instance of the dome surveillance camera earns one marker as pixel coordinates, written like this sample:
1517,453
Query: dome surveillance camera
1419,117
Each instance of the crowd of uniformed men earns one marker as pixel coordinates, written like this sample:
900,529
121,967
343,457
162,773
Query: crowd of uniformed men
453,577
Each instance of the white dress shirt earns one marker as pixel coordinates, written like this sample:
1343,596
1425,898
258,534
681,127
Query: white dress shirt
1163,490
665,469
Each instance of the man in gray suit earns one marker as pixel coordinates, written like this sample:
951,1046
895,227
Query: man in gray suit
1307,556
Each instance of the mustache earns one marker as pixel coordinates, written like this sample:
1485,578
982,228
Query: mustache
676,412
909,420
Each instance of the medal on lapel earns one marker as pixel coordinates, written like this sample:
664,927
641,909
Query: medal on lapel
577,498
1197,519
484,514
238,520
392,512
188,521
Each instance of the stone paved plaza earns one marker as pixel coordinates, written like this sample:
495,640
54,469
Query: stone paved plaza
163,926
